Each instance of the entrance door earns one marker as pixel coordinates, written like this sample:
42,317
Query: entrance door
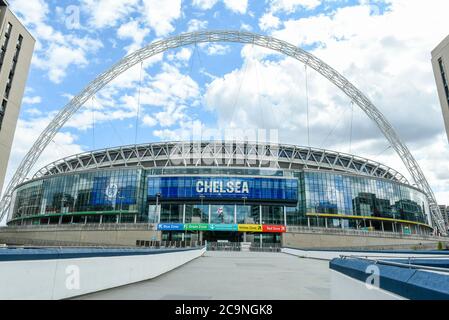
215,236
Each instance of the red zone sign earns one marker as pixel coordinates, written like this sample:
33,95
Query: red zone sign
273,229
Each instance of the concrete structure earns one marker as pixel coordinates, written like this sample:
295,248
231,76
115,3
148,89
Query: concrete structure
63,273
79,235
16,50
127,235
233,276
220,190
440,63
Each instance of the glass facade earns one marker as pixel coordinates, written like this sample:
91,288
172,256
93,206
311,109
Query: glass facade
89,193
292,198
337,194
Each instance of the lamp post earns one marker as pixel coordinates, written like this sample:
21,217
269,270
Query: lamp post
158,212
121,207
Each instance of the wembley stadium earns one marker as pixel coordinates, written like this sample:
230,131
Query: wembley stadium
222,191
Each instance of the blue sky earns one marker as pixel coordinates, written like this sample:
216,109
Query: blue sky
382,46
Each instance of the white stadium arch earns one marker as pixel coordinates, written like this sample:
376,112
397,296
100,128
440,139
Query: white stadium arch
225,36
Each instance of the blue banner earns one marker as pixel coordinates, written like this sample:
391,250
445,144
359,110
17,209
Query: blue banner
230,188
105,192
170,226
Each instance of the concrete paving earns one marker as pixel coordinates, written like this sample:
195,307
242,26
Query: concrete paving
233,276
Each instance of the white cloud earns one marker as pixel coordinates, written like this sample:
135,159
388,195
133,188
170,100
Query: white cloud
55,51
64,144
149,121
31,100
217,49
132,30
160,15
290,6
204,4
268,21
108,13
195,25
387,56
237,6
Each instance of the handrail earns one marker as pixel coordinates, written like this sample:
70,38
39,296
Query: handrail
399,264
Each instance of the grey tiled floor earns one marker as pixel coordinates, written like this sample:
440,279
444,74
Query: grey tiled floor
231,276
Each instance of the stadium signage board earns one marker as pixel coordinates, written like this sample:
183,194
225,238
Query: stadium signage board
221,227
274,229
223,188
170,226
196,226
250,228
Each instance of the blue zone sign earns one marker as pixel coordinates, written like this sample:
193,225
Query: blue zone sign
227,188
170,226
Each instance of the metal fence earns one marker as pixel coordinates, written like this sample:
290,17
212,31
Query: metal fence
237,246
169,244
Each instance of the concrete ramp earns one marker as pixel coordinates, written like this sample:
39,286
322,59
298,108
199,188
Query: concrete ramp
233,276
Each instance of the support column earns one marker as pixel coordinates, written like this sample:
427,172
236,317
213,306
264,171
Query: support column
184,213
235,213
308,222
285,216
325,223
382,224
209,209
101,219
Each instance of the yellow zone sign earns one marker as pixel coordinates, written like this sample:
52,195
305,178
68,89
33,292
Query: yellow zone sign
250,228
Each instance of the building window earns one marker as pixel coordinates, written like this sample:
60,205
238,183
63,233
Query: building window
5,44
444,78
13,68
2,111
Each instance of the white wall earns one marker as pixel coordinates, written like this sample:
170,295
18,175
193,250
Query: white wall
57,279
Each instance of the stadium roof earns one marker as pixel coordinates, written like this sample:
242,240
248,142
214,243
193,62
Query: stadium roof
221,154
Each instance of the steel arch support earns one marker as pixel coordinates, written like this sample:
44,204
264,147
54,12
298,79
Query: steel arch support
225,36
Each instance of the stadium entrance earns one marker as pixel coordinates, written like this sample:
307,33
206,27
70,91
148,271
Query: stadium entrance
220,236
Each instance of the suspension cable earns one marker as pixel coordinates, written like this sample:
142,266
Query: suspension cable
138,103
350,130
261,107
307,105
333,129
111,124
93,124
234,105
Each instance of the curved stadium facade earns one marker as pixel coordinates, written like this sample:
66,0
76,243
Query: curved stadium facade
222,190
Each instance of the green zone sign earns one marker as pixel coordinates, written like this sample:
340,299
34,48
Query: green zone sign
196,227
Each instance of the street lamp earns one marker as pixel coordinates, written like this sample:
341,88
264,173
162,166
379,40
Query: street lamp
158,212
121,207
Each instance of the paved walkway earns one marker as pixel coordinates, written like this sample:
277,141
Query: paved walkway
231,276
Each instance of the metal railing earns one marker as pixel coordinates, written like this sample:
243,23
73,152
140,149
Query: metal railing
169,244
408,265
87,226
352,232
223,246
266,247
